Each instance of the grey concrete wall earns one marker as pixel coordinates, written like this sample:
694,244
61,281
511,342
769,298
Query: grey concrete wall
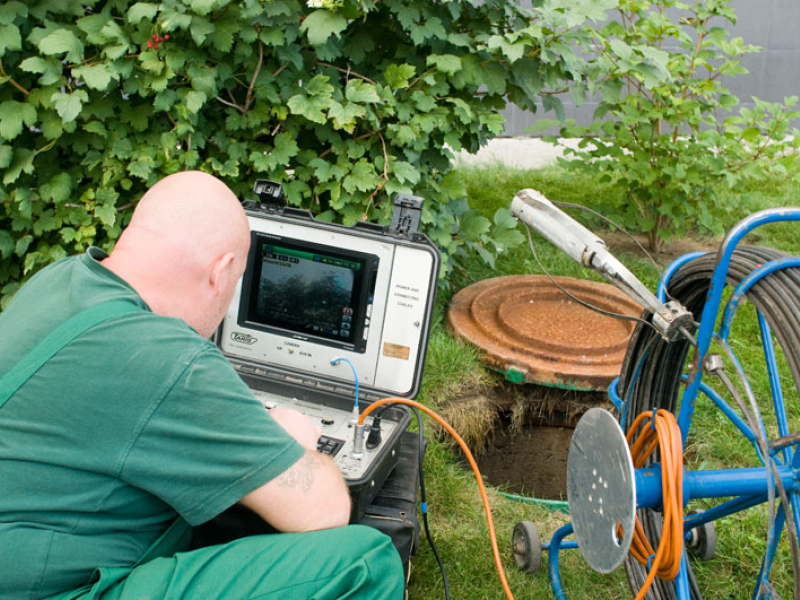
774,73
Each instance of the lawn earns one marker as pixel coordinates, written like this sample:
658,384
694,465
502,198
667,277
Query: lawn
454,372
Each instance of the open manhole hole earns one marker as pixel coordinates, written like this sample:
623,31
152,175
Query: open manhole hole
525,449
564,353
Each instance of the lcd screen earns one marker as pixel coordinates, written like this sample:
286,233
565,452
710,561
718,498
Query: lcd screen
307,289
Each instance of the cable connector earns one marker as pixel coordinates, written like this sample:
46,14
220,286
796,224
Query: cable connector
374,437
713,363
358,441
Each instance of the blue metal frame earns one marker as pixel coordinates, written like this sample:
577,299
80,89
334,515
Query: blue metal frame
748,487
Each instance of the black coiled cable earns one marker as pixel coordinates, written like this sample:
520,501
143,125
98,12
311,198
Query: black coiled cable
652,370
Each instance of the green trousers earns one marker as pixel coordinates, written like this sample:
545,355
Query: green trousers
348,562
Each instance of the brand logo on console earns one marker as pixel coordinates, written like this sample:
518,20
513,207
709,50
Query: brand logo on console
243,338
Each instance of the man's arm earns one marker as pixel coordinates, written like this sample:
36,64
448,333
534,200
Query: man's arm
309,495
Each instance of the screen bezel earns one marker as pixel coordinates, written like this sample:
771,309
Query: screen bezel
363,290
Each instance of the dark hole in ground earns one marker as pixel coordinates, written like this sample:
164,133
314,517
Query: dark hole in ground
530,458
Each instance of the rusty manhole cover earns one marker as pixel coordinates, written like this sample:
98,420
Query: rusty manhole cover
533,332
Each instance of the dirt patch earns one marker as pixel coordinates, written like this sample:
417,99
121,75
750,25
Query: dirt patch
622,245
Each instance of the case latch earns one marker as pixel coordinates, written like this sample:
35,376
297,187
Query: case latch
270,194
406,215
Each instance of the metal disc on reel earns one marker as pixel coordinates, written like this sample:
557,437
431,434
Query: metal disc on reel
601,490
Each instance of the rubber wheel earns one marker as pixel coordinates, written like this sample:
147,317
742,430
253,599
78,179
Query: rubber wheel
701,542
526,547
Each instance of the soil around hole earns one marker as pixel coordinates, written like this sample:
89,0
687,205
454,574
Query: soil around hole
531,461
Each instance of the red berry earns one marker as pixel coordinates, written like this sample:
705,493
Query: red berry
149,44
166,37
154,36
155,46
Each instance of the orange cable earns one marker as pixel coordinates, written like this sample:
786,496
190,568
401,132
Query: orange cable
660,432
472,463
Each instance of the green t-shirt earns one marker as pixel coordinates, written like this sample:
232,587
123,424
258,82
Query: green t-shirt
136,421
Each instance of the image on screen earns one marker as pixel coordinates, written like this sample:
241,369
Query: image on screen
307,289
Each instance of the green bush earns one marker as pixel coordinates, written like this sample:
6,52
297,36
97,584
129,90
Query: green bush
661,133
345,105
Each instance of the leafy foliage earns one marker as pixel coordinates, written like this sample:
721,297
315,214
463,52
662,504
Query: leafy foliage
660,134
346,105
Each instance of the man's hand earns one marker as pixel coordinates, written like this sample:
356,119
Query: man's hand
298,426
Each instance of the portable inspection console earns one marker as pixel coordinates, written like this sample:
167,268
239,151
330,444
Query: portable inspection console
328,316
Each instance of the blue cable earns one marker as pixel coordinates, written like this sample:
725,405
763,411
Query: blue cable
336,361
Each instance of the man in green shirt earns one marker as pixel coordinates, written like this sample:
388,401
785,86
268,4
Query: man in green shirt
118,432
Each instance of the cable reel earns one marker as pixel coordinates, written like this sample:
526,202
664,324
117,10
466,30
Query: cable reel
655,397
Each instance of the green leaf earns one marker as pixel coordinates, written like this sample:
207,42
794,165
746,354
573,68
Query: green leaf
358,90
115,51
164,100
446,63
58,189
49,68
63,41
322,24
406,172
195,101
203,7
6,154
10,38
6,244
316,100
658,57
112,32
22,245
507,238
430,28
503,219
97,77
495,78
9,11
96,127
106,213
325,171
512,51
68,106
12,115
362,178
621,49
285,148
473,225
141,10
224,34
201,28
92,25
399,76
344,115
403,135
141,168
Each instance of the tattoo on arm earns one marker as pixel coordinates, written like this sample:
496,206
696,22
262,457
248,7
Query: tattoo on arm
301,473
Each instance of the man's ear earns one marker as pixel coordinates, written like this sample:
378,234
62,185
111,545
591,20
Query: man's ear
221,271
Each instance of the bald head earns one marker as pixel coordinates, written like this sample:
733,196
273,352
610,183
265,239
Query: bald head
195,210
185,248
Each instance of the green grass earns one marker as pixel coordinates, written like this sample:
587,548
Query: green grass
457,521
